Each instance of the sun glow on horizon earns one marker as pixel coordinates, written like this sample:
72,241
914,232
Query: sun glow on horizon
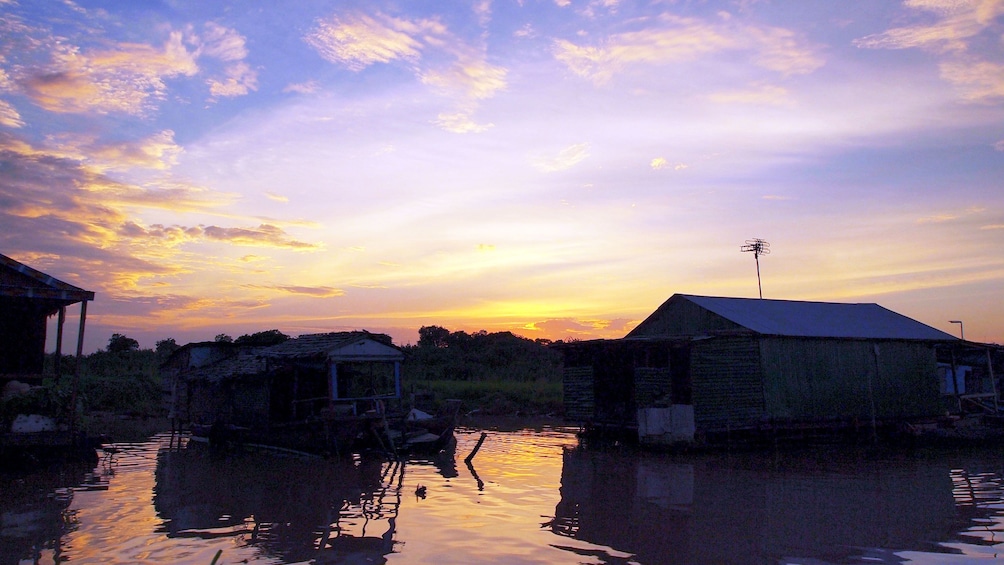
555,168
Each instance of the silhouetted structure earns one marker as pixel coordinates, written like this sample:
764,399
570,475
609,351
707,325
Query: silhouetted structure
27,298
313,393
701,367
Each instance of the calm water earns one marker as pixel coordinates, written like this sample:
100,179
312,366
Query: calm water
530,497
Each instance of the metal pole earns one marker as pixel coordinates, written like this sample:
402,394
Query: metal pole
756,256
962,329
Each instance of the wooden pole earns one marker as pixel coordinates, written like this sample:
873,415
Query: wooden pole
59,340
470,457
76,366
993,380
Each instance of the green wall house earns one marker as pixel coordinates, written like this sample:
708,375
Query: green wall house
700,367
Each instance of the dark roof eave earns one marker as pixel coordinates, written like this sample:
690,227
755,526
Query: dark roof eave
64,295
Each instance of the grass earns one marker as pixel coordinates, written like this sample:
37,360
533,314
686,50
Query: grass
493,398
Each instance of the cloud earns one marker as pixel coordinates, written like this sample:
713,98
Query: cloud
458,70
761,94
65,206
276,197
957,29
461,121
959,21
678,39
157,152
223,43
265,235
999,146
357,41
573,329
9,116
658,163
126,78
565,159
976,80
314,291
309,87
472,76
237,78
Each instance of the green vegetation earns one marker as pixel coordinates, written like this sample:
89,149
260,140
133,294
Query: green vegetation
492,373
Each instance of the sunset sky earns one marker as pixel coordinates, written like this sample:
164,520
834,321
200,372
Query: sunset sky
555,168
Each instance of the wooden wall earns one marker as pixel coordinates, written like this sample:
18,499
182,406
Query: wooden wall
830,379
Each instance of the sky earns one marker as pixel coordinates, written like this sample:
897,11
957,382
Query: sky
554,168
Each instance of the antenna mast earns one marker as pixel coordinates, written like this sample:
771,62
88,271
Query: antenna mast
758,247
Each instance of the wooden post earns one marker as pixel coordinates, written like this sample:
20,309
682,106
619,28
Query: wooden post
76,367
955,381
871,392
993,380
59,340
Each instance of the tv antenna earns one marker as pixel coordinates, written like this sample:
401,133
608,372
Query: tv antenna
758,247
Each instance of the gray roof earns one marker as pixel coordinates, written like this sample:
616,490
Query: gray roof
21,281
319,345
818,319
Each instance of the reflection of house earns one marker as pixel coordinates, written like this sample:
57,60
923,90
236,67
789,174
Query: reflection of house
27,298
291,508
822,506
706,365
319,382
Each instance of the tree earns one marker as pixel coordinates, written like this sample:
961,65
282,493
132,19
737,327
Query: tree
166,347
265,338
224,338
432,336
119,343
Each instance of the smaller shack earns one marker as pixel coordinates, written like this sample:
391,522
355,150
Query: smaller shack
703,367
307,393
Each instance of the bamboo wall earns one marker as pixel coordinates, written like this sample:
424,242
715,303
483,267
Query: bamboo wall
579,398
727,384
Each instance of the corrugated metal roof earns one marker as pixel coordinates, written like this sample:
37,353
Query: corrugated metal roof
25,282
818,319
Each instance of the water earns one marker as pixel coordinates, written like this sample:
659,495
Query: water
528,497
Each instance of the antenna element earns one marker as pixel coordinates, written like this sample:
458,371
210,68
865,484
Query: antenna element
758,247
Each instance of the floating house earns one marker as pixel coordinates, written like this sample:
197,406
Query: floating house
313,393
27,299
702,367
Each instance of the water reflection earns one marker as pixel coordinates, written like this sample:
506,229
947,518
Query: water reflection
153,502
288,508
829,506
35,509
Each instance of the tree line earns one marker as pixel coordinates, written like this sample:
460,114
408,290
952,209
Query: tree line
485,369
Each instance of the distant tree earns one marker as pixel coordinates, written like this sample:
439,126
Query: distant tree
265,338
432,336
224,338
166,347
119,343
